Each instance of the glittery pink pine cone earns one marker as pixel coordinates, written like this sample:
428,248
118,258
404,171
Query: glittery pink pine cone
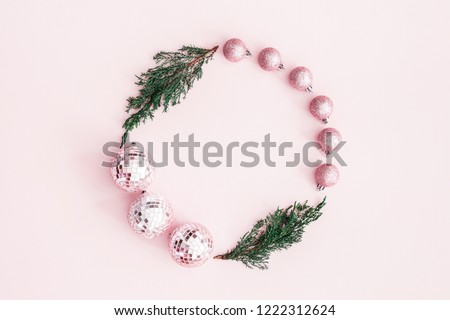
327,175
301,78
321,107
269,59
235,50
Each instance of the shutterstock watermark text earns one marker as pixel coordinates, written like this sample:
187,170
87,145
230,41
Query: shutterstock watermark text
213,154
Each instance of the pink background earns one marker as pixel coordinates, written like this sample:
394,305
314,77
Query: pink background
66,68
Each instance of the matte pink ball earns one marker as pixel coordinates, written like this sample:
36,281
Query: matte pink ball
235,50
329,139
301,78
327,175
190,245
321,107
269,59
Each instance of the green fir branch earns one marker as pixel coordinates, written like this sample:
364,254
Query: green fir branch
278,231
166,84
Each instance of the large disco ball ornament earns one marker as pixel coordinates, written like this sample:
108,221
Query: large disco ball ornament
190,245
150,215
131,169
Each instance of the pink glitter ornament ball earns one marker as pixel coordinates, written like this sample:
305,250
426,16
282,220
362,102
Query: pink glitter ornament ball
301,78
327,175
235,50
131,169
150,215
190,245
321,107
269,59
329,139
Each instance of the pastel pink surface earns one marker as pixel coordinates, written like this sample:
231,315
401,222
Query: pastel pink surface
67,68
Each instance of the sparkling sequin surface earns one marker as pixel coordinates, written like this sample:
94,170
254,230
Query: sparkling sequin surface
321,107
269,59
131,170
301,78
327,175
190,245
150,215
235,50
329,138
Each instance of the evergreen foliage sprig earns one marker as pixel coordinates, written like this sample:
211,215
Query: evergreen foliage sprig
165,84
278,231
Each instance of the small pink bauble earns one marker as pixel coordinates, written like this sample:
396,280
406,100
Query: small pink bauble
235,50
329,139
269,59
321,107
190,245
327,175
150,215
301,78
131,169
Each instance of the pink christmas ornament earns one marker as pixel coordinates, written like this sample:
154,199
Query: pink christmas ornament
150,215
301,78
190,245
269,59
321,107
131,169
235,50
327,175
328,139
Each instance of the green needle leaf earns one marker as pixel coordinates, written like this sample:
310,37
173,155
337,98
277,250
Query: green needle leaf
278,231
166,84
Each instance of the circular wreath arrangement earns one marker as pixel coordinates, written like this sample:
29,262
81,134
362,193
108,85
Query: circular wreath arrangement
150,214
